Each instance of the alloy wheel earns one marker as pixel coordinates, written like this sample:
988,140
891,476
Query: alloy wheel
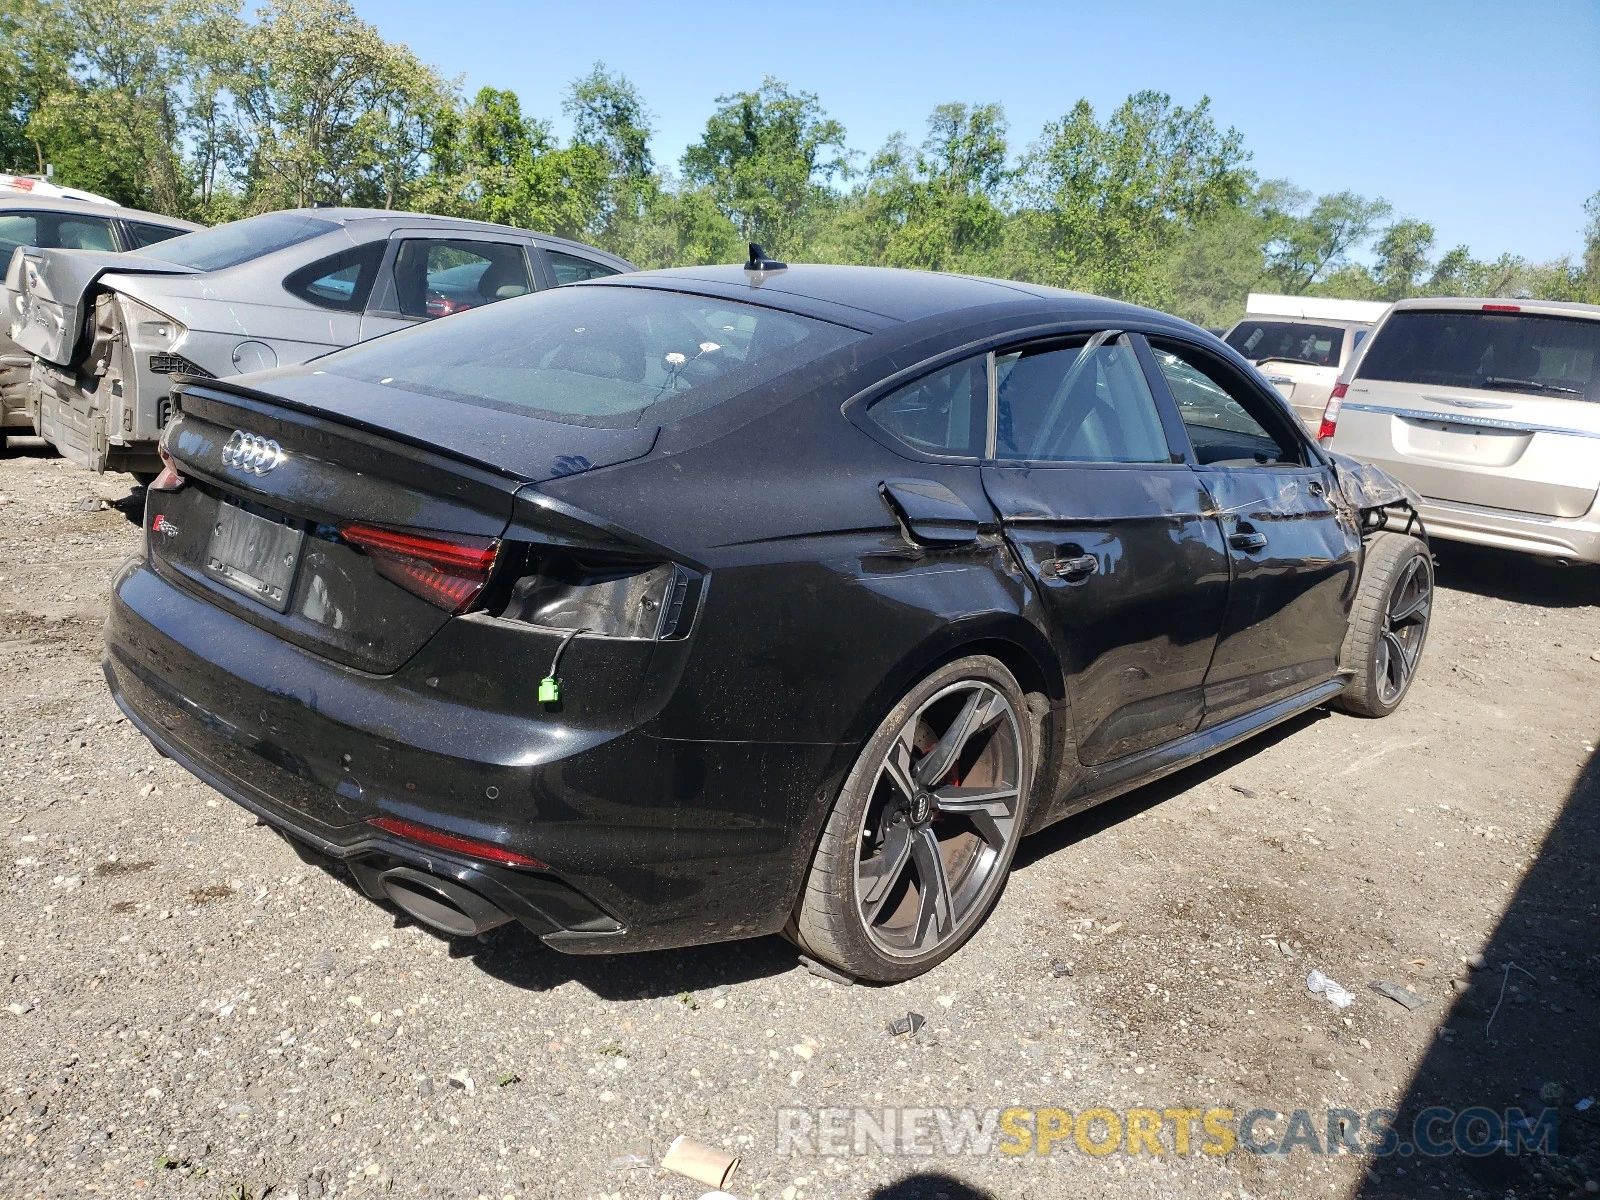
938,827
1405,627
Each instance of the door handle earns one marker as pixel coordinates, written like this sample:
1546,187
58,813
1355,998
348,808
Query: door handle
1072,570
1248,542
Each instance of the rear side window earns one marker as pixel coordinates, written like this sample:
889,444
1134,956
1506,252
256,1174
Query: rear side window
17,229
941,413
1288,341
341,281
1063,405
1513,352
614,357
146,234
240,241
569,268
437,278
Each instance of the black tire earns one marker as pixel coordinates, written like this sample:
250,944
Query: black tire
966,832
1388,625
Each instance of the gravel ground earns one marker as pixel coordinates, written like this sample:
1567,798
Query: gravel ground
188,1009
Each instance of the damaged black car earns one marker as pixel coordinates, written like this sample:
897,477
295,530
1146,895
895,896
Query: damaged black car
701,604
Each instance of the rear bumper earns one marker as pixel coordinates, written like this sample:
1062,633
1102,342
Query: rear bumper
1576,538
652,842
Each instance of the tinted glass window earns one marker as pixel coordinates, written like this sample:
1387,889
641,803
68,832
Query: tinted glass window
145,234
240,241
16,229
569,268
1288,341
1512,352
69,231
1216,411
437,278
941,413
608,356
1062,405
342,281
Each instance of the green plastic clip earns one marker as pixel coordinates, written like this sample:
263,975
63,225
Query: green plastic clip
549,690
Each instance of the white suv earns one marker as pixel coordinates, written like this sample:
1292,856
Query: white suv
1491,410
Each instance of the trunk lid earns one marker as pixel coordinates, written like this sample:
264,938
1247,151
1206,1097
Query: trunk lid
50,295
1495,449
261,535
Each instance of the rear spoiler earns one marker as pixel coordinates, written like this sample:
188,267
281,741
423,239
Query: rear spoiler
49,295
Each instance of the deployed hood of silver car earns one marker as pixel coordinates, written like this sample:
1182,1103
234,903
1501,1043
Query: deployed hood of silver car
49,295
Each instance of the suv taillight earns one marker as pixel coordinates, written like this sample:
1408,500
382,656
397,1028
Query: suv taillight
1330,414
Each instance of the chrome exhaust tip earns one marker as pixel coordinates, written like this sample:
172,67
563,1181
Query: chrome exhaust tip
439,903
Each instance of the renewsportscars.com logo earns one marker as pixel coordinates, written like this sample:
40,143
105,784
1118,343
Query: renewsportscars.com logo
1376,1133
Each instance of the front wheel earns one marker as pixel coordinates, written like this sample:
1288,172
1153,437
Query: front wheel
920,840
1388,624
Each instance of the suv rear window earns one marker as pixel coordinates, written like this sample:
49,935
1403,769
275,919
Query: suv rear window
1288,341
239,241
614,357
1531,353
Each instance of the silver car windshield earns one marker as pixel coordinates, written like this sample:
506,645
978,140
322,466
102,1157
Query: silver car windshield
591,354
239,241
1495,351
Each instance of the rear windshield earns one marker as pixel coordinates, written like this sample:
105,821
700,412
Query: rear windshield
1512,352
239,241
1288,341
595,355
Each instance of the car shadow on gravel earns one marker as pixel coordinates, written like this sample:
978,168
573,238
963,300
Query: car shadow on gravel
1523,1035
1518,578
929,1185
1074,829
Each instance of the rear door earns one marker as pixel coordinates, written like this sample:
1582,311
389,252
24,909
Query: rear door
1489,406
1117,535
1294,559
429,274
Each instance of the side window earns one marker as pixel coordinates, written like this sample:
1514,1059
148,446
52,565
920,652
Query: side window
145,234
84,233
942,413
16,229
1217,413
1060,404
569,268
437,278
342,281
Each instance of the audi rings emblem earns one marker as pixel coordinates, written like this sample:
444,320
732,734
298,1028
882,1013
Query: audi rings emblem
251,452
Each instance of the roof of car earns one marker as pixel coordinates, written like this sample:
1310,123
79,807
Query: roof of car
33,203
340,215
1548,308
885,292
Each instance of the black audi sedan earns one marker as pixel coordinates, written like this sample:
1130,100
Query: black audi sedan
700,604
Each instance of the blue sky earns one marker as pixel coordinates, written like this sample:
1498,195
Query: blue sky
1483,118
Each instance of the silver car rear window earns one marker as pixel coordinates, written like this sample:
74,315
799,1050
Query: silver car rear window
239,241
593,354
1531,353
1289,341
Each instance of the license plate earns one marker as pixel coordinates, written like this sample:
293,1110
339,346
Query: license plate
254,555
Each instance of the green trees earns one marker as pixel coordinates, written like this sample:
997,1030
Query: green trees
184,106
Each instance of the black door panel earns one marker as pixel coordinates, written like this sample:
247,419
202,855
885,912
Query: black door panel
1295,567
1135,632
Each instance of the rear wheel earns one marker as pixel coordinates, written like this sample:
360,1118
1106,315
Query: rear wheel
920,841
1388,624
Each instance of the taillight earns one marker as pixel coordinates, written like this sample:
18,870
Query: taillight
169,480
1330,413
447,570
1516,308
450,841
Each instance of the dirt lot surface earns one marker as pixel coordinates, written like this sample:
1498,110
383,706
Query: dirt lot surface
188,1009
